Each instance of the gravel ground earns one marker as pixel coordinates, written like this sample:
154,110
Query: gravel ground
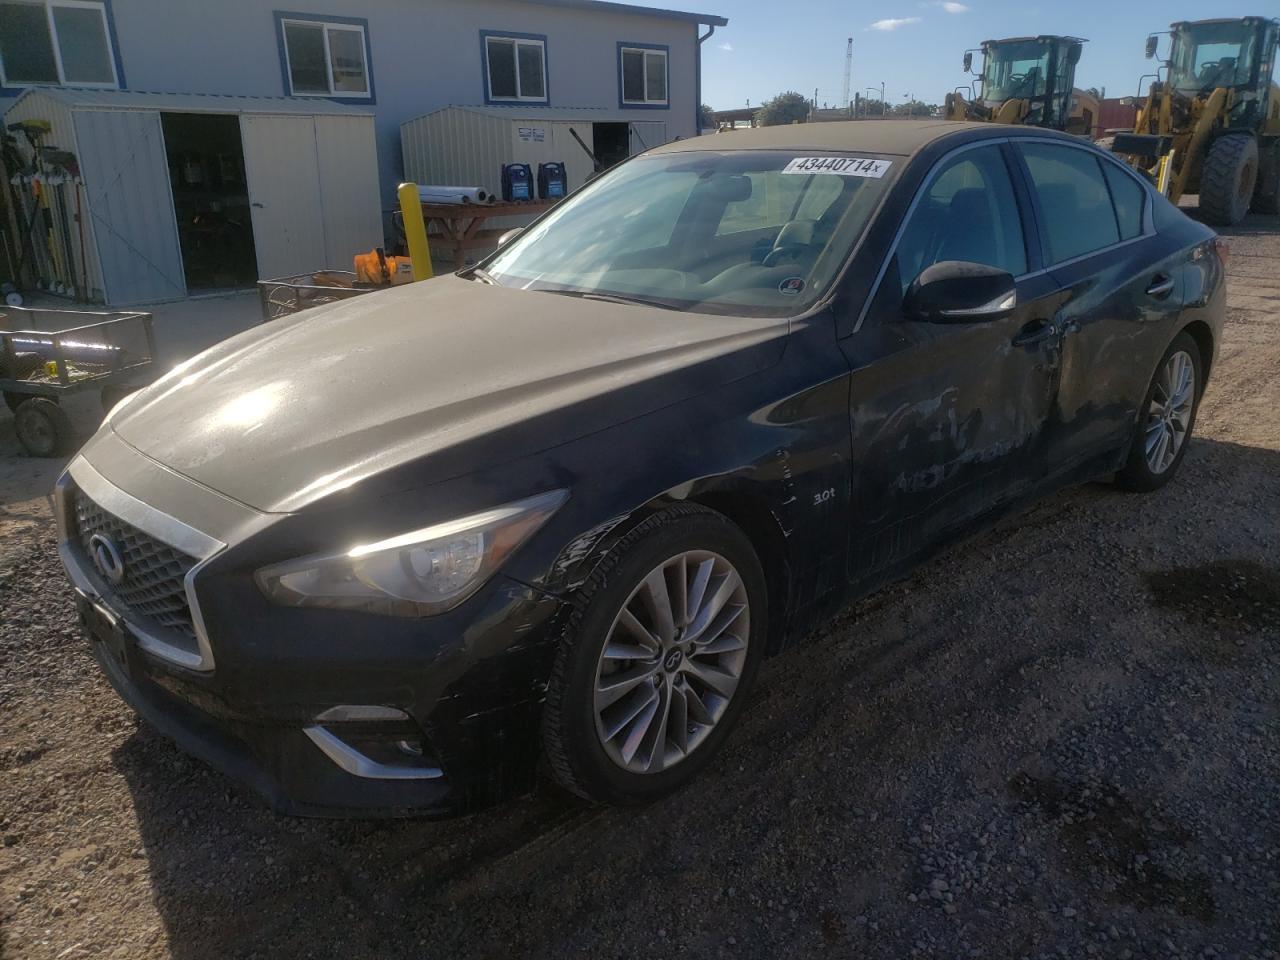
1060,739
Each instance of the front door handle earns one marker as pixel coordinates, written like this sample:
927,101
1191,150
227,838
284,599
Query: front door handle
1034,332
1160,287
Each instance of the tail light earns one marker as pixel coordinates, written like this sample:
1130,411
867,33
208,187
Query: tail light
1223,249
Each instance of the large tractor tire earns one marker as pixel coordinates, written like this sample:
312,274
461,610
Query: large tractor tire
1266,195
1227,179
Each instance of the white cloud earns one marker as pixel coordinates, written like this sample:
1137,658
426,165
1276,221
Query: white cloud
726,47
893,23
952,7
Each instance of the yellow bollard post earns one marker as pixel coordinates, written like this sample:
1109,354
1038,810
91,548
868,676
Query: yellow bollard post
415,231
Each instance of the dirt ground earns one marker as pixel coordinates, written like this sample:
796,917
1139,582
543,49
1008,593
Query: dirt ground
1061,738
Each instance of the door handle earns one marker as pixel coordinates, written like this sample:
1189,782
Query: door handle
1160,287
1034,332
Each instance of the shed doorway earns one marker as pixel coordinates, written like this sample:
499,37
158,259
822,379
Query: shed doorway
612,143
210,199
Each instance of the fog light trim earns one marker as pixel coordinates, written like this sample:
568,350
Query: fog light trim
358,765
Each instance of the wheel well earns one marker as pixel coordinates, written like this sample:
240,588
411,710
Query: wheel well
754,518
1203,336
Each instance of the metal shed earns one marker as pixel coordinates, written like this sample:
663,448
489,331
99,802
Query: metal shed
470,145
306,172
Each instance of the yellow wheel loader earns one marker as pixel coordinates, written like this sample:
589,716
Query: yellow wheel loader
1027,80
1212,125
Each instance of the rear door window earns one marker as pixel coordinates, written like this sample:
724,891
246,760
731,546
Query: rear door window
967,212
1075,205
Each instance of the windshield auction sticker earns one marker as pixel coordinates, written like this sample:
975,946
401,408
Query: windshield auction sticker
841,166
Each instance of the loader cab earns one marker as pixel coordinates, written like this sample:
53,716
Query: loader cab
1040,70
1237,54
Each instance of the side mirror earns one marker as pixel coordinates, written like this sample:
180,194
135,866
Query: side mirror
956,291
1152,41
1073,53
968,61
510,235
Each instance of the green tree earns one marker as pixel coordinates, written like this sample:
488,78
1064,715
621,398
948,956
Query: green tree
914,108
1094,92
784,108
707,116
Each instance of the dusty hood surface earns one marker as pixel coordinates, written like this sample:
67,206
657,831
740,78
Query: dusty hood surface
285,413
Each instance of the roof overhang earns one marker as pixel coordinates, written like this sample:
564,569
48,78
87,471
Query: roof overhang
604,6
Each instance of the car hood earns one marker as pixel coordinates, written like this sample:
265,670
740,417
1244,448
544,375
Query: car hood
284,414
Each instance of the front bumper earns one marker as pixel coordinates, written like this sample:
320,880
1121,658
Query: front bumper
459,695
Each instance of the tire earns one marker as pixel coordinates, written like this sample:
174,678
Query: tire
1228,178
1145,470
1266,195
43,428
580,752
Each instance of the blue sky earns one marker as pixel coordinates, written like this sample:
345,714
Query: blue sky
770,46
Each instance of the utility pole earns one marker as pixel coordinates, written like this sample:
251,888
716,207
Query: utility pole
848,72
883,105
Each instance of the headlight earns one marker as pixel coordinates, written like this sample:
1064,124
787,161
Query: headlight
417,574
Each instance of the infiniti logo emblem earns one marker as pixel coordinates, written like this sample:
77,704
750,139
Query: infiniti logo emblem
106,557
673,660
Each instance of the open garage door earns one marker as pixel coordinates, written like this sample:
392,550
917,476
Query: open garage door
130,205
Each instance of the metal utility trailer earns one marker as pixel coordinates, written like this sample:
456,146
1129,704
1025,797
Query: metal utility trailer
48,354
287,295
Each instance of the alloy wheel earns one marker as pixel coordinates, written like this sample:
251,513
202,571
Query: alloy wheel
672,661
1169,416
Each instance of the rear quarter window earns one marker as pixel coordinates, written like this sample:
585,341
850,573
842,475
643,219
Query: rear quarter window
1129,198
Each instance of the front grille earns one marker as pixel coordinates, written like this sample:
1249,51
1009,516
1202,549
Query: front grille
153,590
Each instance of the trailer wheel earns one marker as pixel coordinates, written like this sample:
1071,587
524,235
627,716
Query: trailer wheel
1266,196
43,428
1227,180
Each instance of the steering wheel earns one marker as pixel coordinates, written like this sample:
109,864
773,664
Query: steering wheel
778,254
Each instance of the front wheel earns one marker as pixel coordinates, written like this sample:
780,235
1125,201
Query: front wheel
1227,179
1166,419
656,659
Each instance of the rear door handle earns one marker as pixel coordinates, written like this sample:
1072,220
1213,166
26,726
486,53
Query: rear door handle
1160,287
1034,332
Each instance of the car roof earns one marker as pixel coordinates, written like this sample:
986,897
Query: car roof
900,137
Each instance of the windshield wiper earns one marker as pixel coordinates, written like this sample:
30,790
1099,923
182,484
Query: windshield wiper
615,298
484,276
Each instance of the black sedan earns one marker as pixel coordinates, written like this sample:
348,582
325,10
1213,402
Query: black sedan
399,554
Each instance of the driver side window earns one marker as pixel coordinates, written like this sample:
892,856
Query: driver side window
967,212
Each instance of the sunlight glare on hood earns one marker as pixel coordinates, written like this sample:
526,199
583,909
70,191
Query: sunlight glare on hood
250,409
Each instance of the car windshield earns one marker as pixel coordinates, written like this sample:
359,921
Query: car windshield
739,232
1016,70
1210,55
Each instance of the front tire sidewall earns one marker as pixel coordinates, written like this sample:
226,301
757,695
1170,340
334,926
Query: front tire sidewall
1137,473
572,722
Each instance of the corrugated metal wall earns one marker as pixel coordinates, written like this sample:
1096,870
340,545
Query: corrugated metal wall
130,204
349,192
457,147
36,106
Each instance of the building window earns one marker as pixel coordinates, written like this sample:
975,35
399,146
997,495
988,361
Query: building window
53,42
643,70
515,68
325,57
